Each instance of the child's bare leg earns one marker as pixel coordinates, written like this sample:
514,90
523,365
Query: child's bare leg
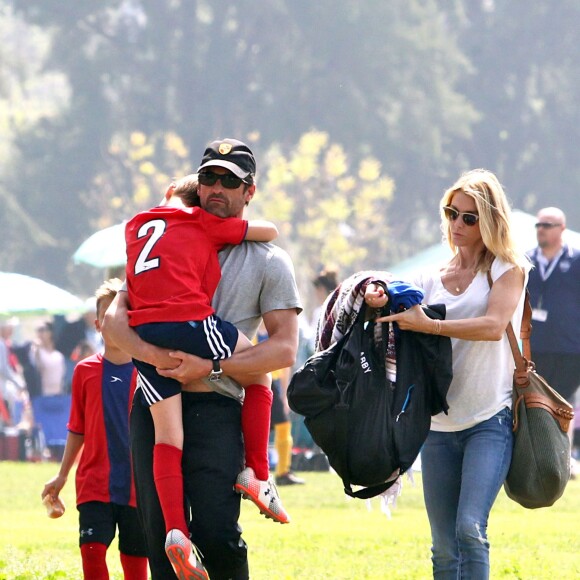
167,454
167,420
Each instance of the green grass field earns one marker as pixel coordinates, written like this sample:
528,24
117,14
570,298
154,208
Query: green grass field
330,536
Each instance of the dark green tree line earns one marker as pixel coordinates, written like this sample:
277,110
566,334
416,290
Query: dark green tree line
426,88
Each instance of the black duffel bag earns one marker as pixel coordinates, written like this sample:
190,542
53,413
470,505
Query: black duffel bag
346,401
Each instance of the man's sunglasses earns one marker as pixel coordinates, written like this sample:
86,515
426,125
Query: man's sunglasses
547,225
469,219
229,180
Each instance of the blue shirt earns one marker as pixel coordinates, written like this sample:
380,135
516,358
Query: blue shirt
558,295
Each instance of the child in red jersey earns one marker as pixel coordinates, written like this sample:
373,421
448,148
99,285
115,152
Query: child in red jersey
170,294
102,391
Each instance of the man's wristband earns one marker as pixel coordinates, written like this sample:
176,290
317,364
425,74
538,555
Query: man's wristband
216,370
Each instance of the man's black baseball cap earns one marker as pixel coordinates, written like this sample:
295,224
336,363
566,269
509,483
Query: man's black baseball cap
231,154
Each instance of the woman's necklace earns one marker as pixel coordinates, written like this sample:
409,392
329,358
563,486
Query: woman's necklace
461,280
454,278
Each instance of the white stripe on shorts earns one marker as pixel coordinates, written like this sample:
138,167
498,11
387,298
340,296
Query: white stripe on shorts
215,339
149,391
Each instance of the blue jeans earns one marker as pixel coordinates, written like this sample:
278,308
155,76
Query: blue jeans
463,472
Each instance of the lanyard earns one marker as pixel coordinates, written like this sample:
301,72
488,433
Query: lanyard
546,268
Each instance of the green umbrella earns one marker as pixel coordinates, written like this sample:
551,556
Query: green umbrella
104,249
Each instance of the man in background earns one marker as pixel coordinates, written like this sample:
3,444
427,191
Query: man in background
554,287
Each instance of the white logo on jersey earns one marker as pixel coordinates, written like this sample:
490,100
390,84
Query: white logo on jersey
115,379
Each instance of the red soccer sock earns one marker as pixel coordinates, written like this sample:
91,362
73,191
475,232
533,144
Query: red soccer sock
256,428
169,483
94,557
134,567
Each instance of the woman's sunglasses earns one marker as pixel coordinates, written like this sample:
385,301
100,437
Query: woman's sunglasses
469,219
229,181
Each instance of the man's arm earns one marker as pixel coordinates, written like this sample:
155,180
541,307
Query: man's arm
276,352
116,329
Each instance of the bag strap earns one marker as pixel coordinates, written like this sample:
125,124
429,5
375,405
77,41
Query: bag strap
522,361
341,413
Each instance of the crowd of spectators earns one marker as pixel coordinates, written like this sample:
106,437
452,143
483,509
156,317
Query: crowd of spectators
36,363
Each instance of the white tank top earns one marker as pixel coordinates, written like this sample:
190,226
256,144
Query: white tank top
482,370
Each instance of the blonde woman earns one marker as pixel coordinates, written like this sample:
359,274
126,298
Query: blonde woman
468,451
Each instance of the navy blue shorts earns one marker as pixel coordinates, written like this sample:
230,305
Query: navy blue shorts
212,338
98,522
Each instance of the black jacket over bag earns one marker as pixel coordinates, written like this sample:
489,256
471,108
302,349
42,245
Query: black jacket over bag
370,428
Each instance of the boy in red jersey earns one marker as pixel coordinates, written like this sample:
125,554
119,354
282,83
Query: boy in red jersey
102,391
170,295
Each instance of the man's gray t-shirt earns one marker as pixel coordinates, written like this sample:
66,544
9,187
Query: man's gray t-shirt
256,278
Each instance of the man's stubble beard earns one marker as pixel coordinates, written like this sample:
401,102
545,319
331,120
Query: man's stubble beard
218,209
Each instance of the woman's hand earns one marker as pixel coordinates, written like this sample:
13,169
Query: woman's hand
375,296
412,319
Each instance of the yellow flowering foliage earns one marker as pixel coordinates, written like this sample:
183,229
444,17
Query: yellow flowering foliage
147,168
140,153
335,162
311,143
137,139
273,205
369,169
303,167
278,172
346,184
330,210
137,173
326,212
174,144
116,202
141,194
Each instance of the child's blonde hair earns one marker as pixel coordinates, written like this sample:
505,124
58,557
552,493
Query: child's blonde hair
186,189
108,289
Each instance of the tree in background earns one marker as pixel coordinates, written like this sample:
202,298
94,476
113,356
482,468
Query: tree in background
137,171
202,69
28,94
329,209
427,88
525,86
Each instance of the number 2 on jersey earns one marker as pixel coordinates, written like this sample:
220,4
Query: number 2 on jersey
144,263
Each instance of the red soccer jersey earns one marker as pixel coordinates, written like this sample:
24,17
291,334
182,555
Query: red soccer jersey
172,263
102,393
